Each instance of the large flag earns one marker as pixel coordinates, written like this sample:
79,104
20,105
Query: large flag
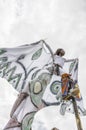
29,68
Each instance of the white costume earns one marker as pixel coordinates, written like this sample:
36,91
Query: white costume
58,60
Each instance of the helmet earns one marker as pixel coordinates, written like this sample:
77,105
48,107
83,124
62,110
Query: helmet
60,51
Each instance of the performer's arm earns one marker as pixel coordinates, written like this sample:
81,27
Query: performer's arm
69,60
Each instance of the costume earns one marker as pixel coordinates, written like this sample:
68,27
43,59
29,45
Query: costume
59,63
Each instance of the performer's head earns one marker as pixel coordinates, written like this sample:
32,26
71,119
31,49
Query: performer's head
54,128
60,52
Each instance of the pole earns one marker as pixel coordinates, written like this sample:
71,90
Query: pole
78,121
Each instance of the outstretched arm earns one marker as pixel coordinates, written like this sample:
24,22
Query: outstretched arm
69,60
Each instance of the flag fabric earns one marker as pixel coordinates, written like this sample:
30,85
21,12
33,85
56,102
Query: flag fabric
29,68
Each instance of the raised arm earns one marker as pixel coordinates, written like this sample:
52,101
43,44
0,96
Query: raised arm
69,60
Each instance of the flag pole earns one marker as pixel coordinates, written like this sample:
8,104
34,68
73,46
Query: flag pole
78,120
71,96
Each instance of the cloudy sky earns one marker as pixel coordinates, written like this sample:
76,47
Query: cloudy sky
61,23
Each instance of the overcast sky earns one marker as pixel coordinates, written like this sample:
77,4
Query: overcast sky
61,23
